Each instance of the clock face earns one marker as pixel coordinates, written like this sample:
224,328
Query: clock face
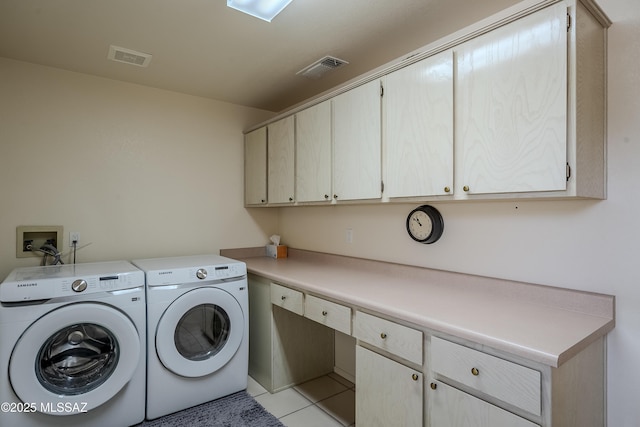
420,225
425,224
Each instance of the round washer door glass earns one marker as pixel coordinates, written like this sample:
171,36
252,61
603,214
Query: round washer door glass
79,353
200,332
77,359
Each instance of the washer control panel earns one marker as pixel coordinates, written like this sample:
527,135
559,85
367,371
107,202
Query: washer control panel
46,282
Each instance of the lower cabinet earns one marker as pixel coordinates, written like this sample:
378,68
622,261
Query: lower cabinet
387,392
472,388
449,407
407,376
285,348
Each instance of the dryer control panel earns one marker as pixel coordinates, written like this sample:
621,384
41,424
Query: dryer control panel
190,269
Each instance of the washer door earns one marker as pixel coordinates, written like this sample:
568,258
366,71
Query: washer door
79,353
200,332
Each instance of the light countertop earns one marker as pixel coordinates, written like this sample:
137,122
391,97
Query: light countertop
540,323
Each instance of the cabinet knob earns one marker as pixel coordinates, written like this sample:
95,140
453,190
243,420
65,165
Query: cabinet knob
465,188
475,371
324,312
383,335
415,377
335,196
447,189
326,196
291,199
433,386
262,200
283,297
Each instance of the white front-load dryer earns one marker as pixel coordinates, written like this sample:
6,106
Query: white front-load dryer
73,346
197,320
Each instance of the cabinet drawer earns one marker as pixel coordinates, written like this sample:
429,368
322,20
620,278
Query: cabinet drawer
328,313
287,298
390,336
504,380
453,408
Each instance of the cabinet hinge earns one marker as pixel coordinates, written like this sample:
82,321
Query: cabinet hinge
381,90
568,171
568,21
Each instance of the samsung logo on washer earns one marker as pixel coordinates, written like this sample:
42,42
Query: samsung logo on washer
162,273
27,285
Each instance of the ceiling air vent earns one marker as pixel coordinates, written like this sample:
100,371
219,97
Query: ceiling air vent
321,66
128,56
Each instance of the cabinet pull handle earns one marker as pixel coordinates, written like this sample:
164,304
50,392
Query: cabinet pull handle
335,196
324,312
433,386
447,189
326,196
291,199
465,188
475,371
415,377
284,297
383,335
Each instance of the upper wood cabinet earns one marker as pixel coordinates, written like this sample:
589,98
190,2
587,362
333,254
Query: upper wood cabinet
511,106
357,143
529,107
313,153
281,146
418,128
255,167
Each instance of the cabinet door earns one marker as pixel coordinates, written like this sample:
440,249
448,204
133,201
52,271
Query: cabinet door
313,153
449,407
418,128
281,158
511,106
388,393
255,167
357,143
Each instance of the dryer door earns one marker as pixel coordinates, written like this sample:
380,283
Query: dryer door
74,358
200,332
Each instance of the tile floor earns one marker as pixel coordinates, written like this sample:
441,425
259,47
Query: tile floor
327,401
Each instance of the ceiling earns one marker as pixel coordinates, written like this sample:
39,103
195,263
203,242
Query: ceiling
204,48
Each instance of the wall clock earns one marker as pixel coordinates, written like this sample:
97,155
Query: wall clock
425,224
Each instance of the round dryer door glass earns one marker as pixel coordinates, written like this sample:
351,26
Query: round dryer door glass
202,332
77,359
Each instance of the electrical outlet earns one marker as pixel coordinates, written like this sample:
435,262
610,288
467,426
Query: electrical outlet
348,235
74,236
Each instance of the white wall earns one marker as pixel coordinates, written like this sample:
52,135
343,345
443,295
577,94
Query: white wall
142,172
587,245
139,172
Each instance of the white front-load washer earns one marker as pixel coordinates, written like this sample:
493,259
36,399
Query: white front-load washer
73,346
197,320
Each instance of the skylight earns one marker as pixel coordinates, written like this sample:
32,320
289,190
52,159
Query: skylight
263,9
